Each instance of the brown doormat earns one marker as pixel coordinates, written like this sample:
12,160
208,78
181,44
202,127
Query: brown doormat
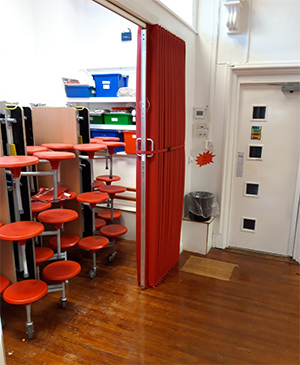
210,268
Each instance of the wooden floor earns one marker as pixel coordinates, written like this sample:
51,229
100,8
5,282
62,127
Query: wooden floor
188,319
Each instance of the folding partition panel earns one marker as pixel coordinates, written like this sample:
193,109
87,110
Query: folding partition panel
160,148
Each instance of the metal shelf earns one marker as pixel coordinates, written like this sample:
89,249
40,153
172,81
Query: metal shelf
117,127
121,100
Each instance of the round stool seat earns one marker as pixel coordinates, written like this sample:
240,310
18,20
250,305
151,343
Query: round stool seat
106,214
86,147
25,292
43,254
61,270
58,146
66,241
112,145
90,148
93,243
4,283
107,179
54,157
15,163
56,216
21,231
113,230
99,223
37,206
68,195
97,183
112,189
107,139
92,197
32,149
1,224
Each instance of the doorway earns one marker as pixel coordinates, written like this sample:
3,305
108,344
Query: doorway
265,171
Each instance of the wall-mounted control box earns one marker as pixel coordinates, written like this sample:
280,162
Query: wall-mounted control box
200,113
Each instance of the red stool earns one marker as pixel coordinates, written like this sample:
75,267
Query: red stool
112,190
4,283
61,271
55,158
15,164
68,195
1,224
99,223
106,214
66,241
93,243
57,217
97,184
24,293
42,254
58,146
32,149
92,198
108,179
107,139
90,149
21,232
111,149
37,207
112,231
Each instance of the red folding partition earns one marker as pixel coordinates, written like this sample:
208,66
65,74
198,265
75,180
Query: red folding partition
165,164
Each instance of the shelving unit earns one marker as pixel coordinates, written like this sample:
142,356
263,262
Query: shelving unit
105,103
102,102
118,127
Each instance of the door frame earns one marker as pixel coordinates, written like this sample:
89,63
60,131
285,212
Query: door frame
238,75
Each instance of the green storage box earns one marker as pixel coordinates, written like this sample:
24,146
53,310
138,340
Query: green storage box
96,119
117,118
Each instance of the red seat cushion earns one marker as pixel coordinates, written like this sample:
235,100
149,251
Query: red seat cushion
66,241
93,243
61,270
113,230
43,254
4,283
25,292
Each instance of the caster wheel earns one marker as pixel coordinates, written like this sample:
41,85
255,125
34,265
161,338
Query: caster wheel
63,303
92,274
112,256
30,332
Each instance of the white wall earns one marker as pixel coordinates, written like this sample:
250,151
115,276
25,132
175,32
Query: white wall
270,34
52,40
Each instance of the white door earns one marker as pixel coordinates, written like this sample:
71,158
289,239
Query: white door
267,153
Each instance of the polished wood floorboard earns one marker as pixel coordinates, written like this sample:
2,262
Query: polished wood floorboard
188,319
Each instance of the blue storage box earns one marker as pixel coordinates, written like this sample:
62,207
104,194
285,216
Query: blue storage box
109,133
107,85
79,91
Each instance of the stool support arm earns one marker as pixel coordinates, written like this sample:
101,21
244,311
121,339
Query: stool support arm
28,314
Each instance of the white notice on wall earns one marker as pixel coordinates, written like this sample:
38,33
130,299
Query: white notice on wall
240,164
